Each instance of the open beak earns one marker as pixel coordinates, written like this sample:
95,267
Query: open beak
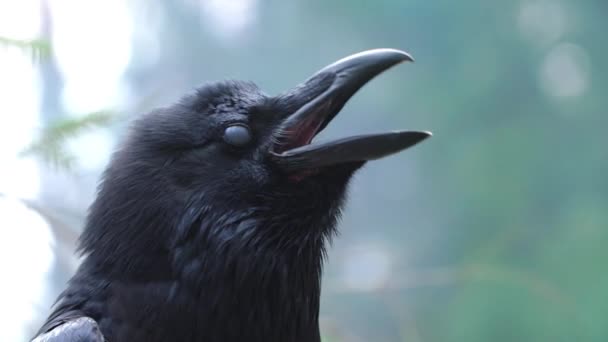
317,101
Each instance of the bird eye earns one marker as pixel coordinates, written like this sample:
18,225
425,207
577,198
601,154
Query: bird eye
237,135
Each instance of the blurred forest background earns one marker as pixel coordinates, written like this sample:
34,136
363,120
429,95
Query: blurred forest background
496,229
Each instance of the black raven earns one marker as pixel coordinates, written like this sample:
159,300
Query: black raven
211,220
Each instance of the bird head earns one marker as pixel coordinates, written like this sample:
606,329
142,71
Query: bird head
239,165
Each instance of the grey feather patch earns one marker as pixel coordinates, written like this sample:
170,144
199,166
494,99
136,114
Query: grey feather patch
83,329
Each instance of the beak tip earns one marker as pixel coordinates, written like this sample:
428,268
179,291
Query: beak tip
425,135
399,55
415,137
407,57
421,134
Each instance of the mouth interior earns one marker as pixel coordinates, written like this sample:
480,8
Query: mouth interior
298,135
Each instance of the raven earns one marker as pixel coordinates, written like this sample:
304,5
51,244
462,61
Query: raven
211,221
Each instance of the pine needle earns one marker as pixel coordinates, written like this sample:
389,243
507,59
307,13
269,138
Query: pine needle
51,148
38,49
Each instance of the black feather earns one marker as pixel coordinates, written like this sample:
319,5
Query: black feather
190,239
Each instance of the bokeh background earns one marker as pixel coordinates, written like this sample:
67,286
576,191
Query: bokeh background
496,229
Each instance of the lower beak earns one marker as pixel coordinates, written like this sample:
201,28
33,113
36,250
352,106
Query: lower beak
319,99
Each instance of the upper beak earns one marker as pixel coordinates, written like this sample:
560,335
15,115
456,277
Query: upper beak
316,101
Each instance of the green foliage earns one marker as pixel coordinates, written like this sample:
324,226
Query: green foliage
38,49
51,146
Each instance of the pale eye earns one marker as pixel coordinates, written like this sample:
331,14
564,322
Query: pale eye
237,135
